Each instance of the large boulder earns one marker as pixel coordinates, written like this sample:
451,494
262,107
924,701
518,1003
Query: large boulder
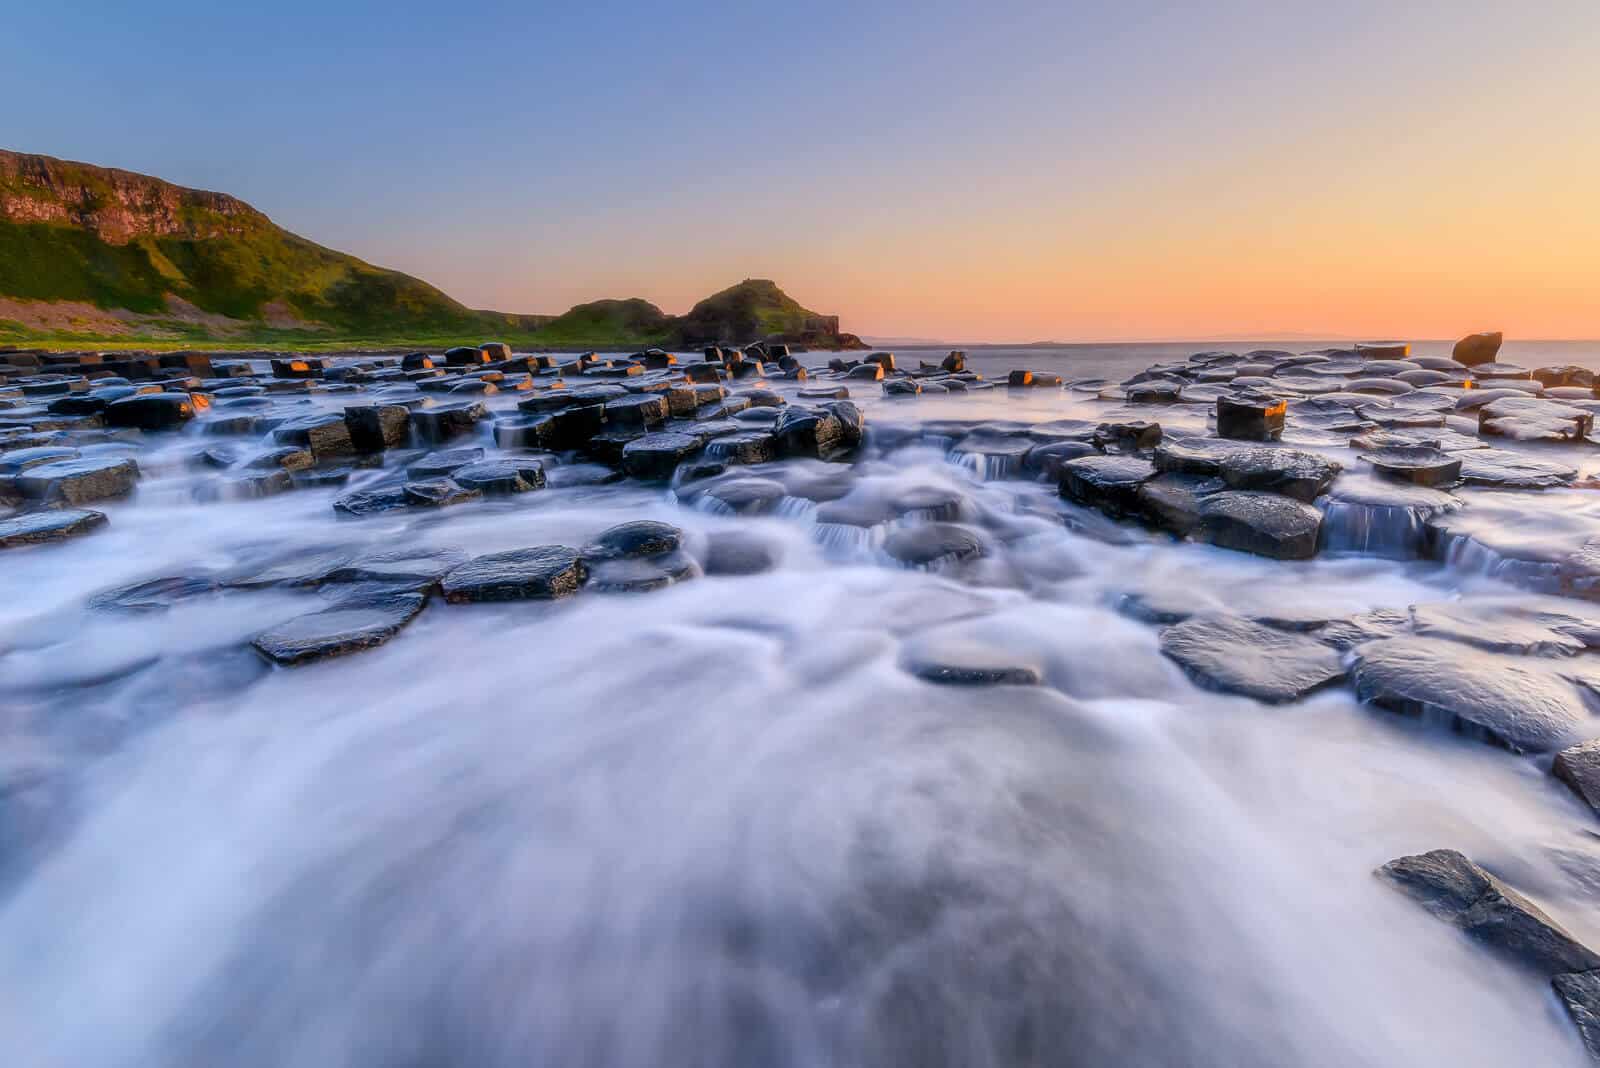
1261,523
1475,349
541,573
1520,703
1464,895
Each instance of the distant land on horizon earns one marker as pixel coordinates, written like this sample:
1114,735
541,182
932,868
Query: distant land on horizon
97,255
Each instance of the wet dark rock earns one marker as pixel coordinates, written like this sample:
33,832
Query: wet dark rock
371,501
288,457
1467,897
1475,349
151,411
500,476
1044,379
852,424
642,410
1047,460
808,432
963,662
443,462
738,552
466,356
640,537
1172,500
1416,464
1155,392
38,528
1132,436
1526,705
746,496
1109,483
438,493
345,628
1237,656
635,574
656,456
1579,994
1250,417
746,447
541,573
1195,456
1291,472
448,420
932,545
868,372
376,427
325,433
1565,375
1579,768
417,570
80,481
1261,523
16,461
1505,469
956,361
902,387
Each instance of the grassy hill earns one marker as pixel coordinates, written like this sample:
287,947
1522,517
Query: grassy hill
97,255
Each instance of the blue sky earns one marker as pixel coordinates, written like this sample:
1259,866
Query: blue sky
1001,170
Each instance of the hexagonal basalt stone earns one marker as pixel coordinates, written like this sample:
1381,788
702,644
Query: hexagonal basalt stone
1261,523
78,481
541,573
40,527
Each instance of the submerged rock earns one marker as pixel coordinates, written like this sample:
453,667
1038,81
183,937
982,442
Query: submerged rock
639,574
153,595
1505,469
932,545
738,552
954,661
1467,897
1260,523
1520,704
544,572
342,629
1237,656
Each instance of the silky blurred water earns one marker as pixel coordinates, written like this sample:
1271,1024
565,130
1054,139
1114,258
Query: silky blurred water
721,824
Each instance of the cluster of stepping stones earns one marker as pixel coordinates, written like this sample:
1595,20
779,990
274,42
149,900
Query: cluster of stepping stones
1284,455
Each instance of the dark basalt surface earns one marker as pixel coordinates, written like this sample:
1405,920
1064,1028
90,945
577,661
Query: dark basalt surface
1237,656
1464,895
1260,523
1523,704
346,628
541,573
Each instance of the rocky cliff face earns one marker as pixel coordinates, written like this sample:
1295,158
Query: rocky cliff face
117,206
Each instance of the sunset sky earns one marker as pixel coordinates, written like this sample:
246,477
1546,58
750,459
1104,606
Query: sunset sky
959,171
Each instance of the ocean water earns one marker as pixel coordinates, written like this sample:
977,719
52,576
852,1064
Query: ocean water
722,823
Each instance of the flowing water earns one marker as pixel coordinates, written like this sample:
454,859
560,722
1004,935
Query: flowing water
721,823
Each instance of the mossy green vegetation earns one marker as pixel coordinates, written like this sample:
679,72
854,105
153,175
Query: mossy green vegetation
92,256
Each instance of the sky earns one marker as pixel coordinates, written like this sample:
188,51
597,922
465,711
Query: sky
995,171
